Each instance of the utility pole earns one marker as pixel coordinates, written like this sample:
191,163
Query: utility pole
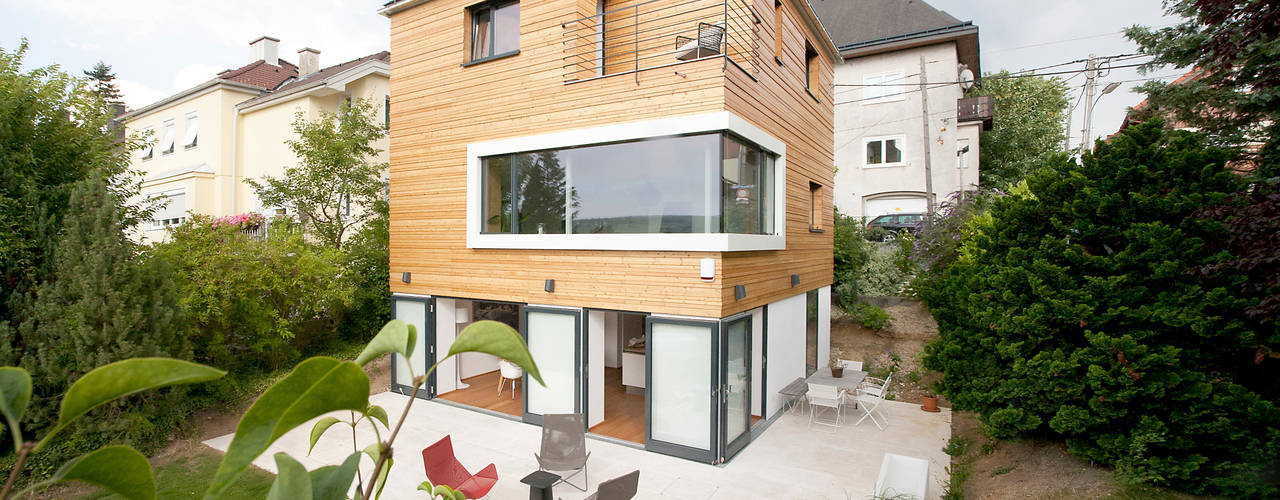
928,146
1091,78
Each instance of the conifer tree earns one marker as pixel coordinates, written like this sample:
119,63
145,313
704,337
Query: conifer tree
103,83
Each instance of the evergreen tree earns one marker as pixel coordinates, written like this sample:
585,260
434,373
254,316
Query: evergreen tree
1079,307
103,84
104,302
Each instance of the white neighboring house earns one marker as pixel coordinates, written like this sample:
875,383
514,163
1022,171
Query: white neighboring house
880,125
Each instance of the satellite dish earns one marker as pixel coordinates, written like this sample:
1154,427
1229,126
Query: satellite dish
966,77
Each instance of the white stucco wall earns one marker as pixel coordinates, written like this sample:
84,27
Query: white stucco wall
858,119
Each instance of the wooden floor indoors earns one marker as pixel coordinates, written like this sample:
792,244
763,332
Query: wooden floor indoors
483,393
623,411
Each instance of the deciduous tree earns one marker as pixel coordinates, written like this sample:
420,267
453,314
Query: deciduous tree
1027,129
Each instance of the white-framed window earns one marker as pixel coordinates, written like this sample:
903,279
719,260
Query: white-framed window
168,137
149,150
171,208
962,153
887,151
192,130
883,87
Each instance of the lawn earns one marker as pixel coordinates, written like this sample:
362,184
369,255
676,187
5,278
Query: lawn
187,476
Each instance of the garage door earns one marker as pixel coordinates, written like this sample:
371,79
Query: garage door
896,205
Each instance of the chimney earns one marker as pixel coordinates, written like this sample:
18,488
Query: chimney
308,61
266,49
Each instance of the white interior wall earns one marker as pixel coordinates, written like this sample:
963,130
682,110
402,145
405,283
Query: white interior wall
612,344
786,347
597,346
470,364
446,373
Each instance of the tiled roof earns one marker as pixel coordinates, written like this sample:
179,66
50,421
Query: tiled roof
318,76
261,74
851,22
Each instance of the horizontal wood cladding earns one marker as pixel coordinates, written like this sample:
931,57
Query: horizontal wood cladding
439,106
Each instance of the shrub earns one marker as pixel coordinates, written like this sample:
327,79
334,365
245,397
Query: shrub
1075,311
257,302
871,316
368,262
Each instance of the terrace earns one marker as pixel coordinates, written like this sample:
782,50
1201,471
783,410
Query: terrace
788,460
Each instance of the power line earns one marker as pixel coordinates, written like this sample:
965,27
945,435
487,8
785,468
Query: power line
994,77
934,85
1065,40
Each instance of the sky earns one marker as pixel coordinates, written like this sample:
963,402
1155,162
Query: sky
158,48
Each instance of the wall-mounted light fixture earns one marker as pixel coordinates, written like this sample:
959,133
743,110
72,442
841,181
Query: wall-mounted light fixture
795,280
707,269
739,292
406,276
549,286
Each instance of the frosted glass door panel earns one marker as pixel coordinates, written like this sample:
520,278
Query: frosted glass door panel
553,343
413,312
680,384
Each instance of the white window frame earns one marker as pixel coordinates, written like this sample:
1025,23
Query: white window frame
682,125
962,158
902,146
190,141
168,137
876,92
149,150
155,225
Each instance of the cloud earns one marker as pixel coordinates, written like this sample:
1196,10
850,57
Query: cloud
194,74
137,95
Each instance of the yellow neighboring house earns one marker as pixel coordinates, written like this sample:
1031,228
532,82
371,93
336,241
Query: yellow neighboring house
208,139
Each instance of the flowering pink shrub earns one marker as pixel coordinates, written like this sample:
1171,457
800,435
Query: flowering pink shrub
242,221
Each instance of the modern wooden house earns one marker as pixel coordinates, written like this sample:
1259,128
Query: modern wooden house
642,188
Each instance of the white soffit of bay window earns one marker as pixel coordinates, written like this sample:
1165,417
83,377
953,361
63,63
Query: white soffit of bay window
664,127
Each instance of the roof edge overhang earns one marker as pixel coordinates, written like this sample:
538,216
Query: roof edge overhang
964,34
198,90
337,81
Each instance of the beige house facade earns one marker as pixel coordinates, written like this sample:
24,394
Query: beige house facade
205,141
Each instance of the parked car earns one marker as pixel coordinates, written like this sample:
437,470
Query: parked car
895,223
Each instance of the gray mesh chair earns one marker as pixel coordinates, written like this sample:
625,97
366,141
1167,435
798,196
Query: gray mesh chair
564,447
619,488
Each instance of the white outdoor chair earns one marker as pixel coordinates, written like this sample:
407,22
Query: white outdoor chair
824,397
851,365
509,371
868,383
869,399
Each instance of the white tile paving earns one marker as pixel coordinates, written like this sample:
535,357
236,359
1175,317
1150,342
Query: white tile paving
787,461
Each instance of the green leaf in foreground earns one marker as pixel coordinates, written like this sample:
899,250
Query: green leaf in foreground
396,336
15,394
118,468
332,482
380,414
318,430
122,378
292,480
442,491
498,339
316,386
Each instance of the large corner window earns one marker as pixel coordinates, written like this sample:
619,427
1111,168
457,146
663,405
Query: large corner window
706,183
495,29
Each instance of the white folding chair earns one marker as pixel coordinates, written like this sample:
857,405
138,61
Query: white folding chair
824,397
869,399
868,383
851,365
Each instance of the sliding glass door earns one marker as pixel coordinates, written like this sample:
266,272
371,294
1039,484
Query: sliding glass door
556,342
679,396
419,312
735,392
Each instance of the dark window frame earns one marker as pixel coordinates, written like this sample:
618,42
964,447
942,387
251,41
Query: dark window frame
768,156
815,207
491,6
810,63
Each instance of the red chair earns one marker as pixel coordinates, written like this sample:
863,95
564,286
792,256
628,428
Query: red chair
443,468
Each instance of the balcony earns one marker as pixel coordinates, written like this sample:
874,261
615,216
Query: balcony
659,33
976,109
